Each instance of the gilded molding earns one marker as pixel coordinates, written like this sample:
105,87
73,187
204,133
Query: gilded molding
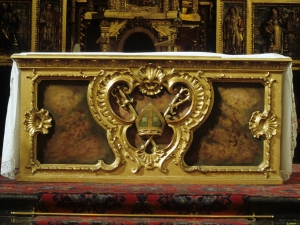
121,63
151,80
34,165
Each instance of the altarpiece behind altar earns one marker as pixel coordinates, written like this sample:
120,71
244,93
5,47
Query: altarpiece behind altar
222,26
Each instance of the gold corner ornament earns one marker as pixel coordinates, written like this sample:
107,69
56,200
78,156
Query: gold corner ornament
150,114
37,121
34,165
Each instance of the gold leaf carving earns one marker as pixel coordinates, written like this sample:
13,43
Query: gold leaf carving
128,106
37,121
263,125
34,165
151,77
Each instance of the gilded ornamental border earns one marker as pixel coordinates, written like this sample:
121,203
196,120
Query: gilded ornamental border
265,132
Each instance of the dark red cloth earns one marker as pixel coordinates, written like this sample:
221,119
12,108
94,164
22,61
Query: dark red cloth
290,188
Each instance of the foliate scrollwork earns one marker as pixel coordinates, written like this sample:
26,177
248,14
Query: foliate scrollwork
150,113
34,165
37,121
102,88
197,91
263,125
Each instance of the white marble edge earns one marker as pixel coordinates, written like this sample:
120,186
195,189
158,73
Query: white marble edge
158,54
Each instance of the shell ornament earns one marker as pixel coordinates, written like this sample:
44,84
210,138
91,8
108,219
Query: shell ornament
263,125
37,121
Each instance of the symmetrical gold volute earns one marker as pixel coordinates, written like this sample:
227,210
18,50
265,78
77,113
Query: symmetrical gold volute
147,101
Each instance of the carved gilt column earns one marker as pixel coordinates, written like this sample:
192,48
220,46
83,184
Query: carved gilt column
166,5
174,4
104,38
111,5
195,6
122,5
173,38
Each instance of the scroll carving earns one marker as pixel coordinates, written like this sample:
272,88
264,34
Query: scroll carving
150,131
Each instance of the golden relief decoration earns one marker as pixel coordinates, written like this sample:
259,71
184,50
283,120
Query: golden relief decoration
136,128
37,121
149,113
263,125
227,141
142,119
75,139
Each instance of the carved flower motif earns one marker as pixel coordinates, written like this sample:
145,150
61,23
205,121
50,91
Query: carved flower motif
263,125
152,78
37,121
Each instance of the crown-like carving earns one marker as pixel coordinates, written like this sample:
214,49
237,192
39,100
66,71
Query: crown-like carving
150,121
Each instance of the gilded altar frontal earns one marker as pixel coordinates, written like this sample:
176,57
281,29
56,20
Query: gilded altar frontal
150,118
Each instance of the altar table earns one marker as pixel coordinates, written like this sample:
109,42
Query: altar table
192,72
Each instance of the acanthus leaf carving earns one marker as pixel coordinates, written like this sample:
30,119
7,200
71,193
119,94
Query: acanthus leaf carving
151,113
